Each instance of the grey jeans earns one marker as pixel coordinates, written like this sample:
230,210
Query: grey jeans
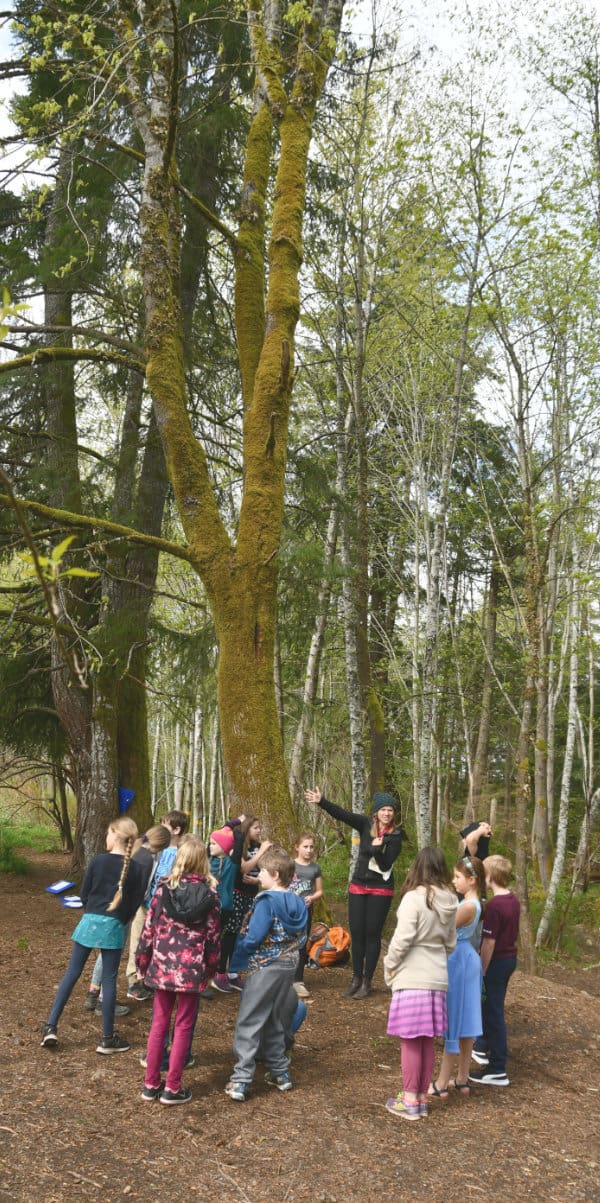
260,1021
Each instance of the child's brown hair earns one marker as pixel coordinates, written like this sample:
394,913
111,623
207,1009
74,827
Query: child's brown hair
471,866
177,818
428,869
499,869
277,860
127,832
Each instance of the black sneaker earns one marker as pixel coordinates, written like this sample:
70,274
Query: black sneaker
49,1036
150,1094
92,1000
172,1097
138,991
113,1044
486,1078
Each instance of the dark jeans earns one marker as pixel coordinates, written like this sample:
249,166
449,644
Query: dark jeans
493,1041
367,914
110,967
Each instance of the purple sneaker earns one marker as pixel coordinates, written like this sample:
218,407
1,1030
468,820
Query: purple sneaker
235,981
222,984
404,1109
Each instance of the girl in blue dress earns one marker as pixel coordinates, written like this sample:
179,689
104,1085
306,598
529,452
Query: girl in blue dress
464,981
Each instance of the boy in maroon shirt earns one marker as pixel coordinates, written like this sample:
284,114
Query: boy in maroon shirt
498,961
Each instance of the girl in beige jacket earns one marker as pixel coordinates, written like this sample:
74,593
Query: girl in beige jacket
415,968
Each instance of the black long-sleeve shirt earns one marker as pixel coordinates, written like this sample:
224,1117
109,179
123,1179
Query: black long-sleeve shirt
100,885
384,854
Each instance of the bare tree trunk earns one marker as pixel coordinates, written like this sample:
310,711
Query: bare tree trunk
480,759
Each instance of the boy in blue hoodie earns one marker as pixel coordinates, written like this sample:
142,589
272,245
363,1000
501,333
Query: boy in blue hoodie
268,949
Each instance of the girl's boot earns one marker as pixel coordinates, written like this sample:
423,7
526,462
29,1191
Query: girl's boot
354,986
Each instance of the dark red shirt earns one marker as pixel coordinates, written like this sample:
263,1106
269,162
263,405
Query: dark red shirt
501,923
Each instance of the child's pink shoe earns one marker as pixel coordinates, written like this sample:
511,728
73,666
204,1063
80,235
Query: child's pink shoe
405,1110
222,984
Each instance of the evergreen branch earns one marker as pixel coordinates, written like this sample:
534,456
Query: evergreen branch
43,355
66,520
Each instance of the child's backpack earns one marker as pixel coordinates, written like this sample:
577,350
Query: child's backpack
328,945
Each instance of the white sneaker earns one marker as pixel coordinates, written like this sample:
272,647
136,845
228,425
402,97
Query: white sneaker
301,990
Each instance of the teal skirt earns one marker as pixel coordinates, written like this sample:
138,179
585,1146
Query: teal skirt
99,931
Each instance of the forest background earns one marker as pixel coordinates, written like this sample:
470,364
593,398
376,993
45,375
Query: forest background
299,422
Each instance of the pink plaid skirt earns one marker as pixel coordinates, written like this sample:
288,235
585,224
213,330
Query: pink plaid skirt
417,1013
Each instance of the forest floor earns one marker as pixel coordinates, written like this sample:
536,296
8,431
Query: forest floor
72,1124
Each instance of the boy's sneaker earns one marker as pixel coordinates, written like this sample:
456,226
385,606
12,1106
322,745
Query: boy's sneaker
172,1097
49,1036
480,1058
222,984
486,1078
92,1000
138,991
238,1091
235,981
281,1081
113,1044
404,1109
150,1094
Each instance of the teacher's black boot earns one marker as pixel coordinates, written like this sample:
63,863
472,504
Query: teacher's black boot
354,986
364,989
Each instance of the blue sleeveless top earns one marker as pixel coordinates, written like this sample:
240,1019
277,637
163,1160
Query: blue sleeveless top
468,931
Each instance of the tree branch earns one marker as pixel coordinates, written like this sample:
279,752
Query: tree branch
78,331
67,520
44,355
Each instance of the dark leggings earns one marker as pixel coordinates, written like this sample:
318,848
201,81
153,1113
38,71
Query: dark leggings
110,967
367,914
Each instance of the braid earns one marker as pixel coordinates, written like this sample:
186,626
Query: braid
127,831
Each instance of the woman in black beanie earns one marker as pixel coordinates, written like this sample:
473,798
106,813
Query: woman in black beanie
371,889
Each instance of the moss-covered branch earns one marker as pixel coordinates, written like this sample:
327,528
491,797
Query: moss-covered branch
34,620
68,521
44,355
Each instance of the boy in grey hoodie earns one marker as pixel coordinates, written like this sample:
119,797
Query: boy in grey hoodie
268,949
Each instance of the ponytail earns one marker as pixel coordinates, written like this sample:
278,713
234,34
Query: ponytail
127,832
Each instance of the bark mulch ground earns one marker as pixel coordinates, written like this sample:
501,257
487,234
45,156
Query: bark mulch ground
73,1127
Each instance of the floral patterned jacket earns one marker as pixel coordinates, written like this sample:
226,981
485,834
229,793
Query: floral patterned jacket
180,954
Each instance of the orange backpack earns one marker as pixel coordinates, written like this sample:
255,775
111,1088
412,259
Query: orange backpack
328,945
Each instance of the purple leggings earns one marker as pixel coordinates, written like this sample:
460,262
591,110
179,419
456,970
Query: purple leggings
418,1058
185,1017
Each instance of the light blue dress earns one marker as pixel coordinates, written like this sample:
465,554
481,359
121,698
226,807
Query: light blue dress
464,986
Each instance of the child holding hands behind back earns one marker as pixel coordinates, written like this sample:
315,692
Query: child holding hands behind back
268,949
498,963
415,966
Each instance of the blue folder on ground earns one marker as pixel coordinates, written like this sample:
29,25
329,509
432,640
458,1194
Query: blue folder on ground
59,887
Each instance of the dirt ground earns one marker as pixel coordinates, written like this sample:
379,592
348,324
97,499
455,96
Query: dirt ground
73,1124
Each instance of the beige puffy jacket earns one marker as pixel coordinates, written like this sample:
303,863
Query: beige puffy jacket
417,957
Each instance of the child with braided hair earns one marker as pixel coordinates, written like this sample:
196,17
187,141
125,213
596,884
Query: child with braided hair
113,889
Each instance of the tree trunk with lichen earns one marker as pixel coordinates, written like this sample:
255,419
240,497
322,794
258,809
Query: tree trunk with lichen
240,575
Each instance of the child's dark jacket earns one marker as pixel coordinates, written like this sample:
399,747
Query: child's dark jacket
180,944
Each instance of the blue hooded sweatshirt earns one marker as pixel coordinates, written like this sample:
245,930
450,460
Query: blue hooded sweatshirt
276,928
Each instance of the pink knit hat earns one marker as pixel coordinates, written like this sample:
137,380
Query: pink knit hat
224,838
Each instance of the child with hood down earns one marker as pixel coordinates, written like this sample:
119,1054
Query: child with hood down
177,954
268,949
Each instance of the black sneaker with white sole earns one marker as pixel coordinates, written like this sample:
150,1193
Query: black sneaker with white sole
113,1044
49,1036
172,1097
138,991
486,1078
151,1094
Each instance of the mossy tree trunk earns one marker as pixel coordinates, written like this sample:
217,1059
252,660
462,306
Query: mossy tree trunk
240,575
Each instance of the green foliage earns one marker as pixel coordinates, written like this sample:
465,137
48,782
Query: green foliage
24,835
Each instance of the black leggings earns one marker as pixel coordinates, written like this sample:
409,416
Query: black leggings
367,914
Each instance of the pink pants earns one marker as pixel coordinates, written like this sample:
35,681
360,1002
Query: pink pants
418,1057
164,1001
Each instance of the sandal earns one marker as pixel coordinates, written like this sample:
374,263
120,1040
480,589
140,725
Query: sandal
438,1094
461,1088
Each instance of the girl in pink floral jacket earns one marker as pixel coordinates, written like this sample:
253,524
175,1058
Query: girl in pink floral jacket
177,954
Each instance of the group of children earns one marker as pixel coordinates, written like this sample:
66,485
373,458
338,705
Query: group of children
195,920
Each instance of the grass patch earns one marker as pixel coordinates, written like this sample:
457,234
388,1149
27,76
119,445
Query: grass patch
36,836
